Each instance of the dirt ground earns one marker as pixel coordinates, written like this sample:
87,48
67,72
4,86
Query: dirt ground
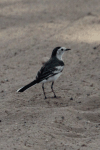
29,30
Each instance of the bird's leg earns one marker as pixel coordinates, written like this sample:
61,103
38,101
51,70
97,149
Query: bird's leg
44,91
53,90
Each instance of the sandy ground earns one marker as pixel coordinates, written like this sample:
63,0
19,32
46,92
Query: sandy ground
29,30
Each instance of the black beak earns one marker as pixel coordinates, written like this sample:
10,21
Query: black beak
68,49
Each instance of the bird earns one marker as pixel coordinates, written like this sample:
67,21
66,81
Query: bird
50,71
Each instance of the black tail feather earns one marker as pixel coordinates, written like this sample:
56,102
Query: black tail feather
27,86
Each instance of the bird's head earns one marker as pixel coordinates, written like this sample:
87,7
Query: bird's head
58,52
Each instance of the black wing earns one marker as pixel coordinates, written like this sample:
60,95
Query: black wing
49,69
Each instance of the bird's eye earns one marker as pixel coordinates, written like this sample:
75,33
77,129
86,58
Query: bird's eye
61,49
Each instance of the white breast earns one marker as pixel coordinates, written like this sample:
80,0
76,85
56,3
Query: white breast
53,78
59,69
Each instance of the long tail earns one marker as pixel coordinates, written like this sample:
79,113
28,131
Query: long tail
27,86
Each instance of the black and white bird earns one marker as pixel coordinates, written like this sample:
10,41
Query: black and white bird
50,71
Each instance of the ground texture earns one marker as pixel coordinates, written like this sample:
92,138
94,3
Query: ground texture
29,30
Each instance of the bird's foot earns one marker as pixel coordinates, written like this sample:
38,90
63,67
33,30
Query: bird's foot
55,96
45,97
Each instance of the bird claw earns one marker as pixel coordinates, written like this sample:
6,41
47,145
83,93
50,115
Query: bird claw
55,96
45,97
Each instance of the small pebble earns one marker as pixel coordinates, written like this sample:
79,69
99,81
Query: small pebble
2,91
62,117
88,94
91,85
83,145
15,53
89,13
46,140
79,118
61,103
71,98
6,80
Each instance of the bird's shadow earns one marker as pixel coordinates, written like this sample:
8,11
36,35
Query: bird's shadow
52,97
50,101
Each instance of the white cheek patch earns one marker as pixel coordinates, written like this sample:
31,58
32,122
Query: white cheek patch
59,55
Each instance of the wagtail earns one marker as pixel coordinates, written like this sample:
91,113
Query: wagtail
50,71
